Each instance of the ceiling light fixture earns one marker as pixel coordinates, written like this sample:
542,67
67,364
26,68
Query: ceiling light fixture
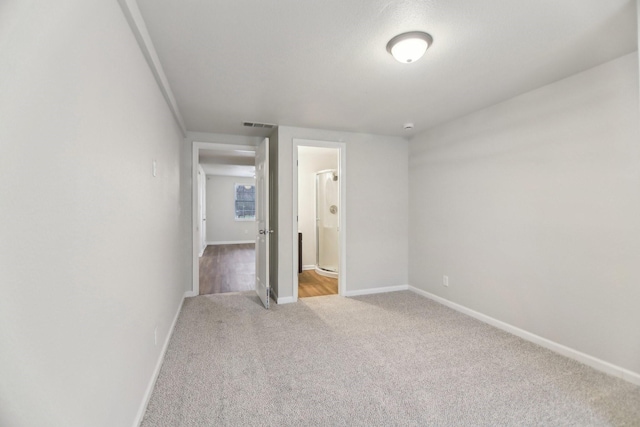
409,47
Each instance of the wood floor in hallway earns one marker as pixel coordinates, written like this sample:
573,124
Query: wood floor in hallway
228,268
311,284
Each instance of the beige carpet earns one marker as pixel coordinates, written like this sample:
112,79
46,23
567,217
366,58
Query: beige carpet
393,359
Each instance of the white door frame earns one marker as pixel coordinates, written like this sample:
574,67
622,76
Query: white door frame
202,210
195,152
342,239
263,232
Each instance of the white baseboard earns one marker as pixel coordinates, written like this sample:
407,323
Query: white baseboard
230,242
278,300
156,371
189,294
586,359
308,267
376,290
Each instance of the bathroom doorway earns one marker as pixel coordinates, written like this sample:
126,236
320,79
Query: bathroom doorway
320,219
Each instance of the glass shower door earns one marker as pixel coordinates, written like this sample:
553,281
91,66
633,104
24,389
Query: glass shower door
327,197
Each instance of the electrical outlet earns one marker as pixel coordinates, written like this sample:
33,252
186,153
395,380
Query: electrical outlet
445,280
155,336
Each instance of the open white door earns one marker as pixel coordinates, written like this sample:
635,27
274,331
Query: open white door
202,209
262,218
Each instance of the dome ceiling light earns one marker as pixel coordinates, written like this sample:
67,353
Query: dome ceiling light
409,47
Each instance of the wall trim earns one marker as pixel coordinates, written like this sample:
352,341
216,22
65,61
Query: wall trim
376,290
230,242
139,29
284,300
594,362
154,377
308,267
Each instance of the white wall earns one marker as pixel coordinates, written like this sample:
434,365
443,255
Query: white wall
221,223
94,251
532,208
310,161
376,211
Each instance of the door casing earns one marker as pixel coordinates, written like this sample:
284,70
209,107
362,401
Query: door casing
342,244
195,151
263,232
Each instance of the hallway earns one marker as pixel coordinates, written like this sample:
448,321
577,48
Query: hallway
228,268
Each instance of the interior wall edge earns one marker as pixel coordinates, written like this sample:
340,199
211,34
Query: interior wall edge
139,29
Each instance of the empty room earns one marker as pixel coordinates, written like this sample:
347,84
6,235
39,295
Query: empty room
285,213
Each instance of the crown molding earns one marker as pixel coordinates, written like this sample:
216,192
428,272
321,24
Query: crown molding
139,28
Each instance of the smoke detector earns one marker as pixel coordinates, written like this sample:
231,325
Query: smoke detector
408,126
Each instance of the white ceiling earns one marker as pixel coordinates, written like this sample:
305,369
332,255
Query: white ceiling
324,64
227,162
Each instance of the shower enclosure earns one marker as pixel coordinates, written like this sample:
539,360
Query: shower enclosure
327,222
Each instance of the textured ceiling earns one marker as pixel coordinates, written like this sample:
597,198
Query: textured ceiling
324,64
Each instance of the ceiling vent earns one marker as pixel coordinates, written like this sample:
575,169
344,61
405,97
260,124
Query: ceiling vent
258,125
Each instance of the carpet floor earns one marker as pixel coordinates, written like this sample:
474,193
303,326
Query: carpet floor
394,359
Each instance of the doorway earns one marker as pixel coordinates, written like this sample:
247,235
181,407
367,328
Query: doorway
228,262
223,232
319,210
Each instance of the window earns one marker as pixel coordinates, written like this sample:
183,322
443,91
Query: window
245,202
